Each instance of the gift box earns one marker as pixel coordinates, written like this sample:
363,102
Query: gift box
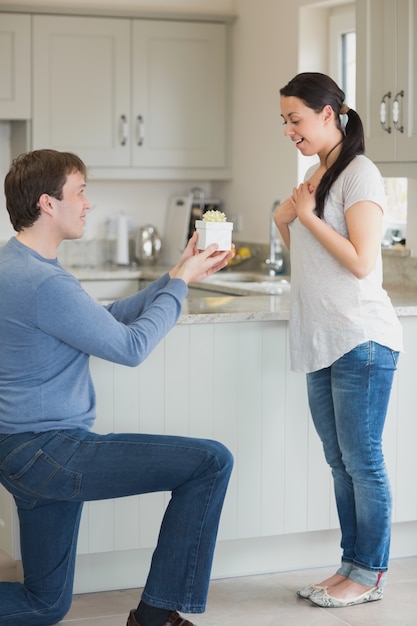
214,232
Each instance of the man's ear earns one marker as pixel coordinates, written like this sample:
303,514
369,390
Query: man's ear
45,204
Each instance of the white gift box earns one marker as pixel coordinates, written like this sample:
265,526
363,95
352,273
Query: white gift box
214,232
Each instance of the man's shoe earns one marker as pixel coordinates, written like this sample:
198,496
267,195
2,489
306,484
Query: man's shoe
174,619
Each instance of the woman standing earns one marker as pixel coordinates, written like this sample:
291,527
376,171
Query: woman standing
344,333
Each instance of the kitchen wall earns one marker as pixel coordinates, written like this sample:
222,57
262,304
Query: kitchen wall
264,57
143,201
266,52
5,227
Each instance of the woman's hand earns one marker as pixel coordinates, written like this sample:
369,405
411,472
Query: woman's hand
284,214
304,198
195,265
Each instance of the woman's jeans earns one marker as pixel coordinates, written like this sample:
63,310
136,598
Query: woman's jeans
348,402
51,474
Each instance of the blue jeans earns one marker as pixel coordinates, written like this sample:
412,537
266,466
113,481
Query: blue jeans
348,402
51,474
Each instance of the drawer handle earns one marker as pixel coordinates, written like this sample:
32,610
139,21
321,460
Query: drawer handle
396,111
123,130
140,130
383,108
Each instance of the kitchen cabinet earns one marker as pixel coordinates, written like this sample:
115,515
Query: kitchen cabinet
80,85
179,90
15,70
144,98
232,381
241,392
387,78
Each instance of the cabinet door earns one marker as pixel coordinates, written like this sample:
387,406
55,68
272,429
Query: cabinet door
387,73
376,61
406,136
15,101
179,94
81,68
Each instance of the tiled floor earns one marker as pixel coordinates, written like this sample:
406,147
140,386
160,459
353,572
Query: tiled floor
268,600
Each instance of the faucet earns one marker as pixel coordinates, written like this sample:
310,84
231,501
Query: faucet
275,261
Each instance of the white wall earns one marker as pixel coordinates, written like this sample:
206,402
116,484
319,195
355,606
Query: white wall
144,201
264,58
266,55
264,52
6,229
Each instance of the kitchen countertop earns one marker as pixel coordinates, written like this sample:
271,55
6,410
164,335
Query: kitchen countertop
228,308
231,308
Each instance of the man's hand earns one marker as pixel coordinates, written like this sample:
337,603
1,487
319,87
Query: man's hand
195,265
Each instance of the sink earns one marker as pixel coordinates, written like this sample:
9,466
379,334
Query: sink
246,283
247,277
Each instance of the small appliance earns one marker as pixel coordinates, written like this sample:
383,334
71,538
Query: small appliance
182,213
148,245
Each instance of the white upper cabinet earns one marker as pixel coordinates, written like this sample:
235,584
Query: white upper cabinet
15,103
179,94
143,96
81,74
387,78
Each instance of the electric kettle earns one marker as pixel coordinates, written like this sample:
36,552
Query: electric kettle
148,245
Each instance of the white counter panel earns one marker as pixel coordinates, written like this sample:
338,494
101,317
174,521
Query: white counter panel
232,382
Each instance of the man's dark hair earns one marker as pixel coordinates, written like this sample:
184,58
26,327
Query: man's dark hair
33,174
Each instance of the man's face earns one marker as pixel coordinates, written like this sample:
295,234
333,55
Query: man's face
70,212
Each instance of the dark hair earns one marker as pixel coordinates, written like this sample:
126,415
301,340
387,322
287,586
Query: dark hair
317,90
32,174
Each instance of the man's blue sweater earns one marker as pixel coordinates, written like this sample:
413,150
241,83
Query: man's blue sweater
49,327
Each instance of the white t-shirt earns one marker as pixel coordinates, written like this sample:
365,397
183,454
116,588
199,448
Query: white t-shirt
332,311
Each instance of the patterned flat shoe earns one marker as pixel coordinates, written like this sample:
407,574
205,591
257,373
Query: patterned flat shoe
307,592
322,598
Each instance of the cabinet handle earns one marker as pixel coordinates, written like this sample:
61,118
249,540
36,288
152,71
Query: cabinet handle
140,130
383,108
396,111
123,130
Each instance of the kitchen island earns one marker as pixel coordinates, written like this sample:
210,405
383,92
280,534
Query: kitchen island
227,308
223,372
